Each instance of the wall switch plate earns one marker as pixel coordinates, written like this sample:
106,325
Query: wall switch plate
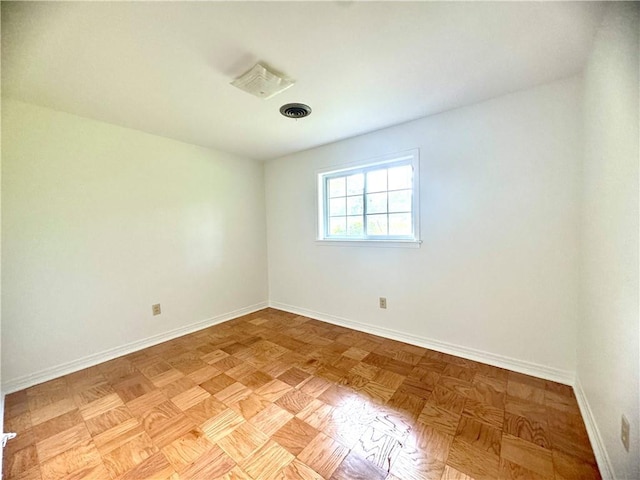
156,309
383,302
624,433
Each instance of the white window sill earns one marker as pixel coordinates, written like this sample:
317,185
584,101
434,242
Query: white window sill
371,243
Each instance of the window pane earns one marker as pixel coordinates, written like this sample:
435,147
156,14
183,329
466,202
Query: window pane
355,226
337,207
400,177
377,203
400,201
337,225
370,201
400,224
377,224
355,184
337,187
377,180
355,205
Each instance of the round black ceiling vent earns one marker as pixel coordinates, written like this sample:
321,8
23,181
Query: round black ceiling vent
295,110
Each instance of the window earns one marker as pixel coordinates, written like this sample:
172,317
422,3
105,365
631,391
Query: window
376,201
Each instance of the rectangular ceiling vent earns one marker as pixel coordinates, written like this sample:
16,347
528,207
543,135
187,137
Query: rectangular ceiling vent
262,82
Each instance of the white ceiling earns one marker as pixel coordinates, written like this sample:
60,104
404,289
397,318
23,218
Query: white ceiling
165,67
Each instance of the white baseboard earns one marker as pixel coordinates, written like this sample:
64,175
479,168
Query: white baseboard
50,373
602,457
541,371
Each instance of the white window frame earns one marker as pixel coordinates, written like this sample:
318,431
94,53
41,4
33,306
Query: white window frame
409,157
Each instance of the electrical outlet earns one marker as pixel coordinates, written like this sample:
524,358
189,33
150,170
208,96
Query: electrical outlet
156,309
624,433
383,302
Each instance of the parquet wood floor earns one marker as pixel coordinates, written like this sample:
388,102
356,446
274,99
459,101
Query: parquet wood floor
273,395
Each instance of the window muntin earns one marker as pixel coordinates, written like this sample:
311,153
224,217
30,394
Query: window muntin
374,201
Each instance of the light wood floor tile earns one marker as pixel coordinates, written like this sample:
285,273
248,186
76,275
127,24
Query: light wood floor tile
52,410
165,378
513,471
391,423
185,449
143,403
569,467
271,419
155,466
528,455
414,464
98,407
316,413
86,378
461,387
530,431
222,424
203,374
439,418
483,413
190,398
70,461
181,385
297,470
526,392
128,455
205,410
451,473
294,400
236,473
47,393
429,441
51,427
478,464
365,370
323,454
118,434
88,395
233,394
250,406
479,435
133,386
530,410
274,395
447,399
293,376
60,442
295,435
389,379
212,464
21,460
377,392
378,448
243,441
256,380
487,394
409,404
354,467
273,390
267,461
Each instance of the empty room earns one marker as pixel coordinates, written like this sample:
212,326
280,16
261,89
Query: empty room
320,240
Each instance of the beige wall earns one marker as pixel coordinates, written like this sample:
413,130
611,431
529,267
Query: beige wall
497,272
608,336
100,222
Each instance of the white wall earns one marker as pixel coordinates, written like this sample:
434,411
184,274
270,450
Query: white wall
1,389
100,222
497,271
608,357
